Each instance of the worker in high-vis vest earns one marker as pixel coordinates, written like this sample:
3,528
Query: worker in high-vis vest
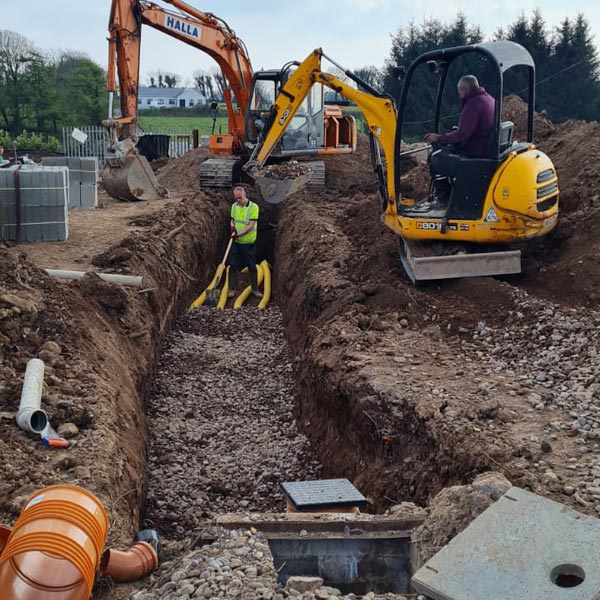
244,228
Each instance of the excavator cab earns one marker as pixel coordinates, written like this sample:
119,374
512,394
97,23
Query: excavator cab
508,195
304,133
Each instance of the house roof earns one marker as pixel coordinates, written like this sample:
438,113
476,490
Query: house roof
157,92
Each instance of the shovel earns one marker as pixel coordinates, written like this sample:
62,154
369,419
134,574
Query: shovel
212,295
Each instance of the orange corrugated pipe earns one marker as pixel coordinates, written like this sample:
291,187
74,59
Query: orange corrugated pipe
54,548
133,564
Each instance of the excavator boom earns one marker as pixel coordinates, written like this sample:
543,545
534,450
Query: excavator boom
377,109
127,174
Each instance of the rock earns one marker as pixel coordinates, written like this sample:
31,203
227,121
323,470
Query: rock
49,358
51,347
304,584
68,430
546,447
24,305
492,484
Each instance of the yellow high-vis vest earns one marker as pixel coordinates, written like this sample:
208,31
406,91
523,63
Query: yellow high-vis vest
241,217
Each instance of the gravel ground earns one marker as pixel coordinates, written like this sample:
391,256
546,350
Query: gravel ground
239,564
552,354
221,416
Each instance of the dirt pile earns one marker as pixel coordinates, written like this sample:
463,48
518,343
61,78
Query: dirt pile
515,109
183,173
453,509
99,343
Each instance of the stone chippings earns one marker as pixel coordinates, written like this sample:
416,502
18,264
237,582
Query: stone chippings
222,416
552,354
238,564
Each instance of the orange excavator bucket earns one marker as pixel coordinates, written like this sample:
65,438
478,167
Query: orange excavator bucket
130,177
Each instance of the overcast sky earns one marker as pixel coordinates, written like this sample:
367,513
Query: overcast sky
354,32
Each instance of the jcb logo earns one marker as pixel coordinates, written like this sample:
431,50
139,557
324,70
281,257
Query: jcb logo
285,115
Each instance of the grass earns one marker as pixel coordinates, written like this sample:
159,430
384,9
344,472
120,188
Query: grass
165,124
182,124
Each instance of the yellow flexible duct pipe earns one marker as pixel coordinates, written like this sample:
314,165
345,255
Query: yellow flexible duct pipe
201,299
224,290
267,285
244,295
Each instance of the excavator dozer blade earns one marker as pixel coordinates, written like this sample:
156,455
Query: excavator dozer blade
275,191
130,177
422,263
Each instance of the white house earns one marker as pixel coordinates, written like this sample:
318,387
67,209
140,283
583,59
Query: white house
157,97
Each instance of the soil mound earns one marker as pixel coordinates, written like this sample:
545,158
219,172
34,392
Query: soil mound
515,109
182,173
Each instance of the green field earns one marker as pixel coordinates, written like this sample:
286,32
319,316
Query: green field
182,124
162,124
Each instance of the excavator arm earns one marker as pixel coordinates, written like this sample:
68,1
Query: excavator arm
201,30
378,110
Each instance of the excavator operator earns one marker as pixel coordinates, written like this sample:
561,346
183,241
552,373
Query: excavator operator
470,139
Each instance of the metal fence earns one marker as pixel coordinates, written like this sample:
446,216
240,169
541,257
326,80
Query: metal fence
180,142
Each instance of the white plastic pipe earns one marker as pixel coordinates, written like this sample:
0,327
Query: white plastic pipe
31,417
127,280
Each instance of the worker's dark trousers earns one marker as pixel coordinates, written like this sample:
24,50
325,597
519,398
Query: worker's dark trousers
443,166
243,255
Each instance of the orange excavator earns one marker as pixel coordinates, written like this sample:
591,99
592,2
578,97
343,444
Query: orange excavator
316,129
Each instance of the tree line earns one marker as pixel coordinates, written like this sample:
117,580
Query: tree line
566,59
45,91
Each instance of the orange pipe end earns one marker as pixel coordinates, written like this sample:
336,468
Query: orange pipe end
130,565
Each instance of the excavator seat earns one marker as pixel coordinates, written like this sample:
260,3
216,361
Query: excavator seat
470,186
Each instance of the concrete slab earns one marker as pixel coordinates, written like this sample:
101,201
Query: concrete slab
524,547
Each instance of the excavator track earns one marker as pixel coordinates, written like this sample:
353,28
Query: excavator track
316,182
217,173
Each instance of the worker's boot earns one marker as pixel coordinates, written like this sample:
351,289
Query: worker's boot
254,283
233,277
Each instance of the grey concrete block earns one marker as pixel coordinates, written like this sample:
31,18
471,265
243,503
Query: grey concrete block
74,163
89,196
54,161
74,194
523,547
89,171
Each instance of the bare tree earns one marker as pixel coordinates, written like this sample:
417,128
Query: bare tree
17,57
219,82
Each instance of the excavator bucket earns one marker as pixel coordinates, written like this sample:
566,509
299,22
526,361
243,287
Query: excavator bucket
275,191
130,177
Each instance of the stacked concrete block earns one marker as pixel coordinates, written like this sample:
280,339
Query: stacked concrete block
38,212
83,179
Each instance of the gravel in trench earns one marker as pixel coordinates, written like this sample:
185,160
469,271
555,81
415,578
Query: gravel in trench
221,416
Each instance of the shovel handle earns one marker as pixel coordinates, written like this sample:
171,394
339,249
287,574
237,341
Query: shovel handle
227,251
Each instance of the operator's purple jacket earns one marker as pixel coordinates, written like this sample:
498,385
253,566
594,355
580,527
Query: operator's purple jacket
475,125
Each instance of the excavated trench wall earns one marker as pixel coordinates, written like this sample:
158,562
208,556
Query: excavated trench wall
355,403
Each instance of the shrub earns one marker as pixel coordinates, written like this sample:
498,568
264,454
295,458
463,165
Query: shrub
37,141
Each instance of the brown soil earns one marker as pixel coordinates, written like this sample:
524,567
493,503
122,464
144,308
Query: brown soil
404,390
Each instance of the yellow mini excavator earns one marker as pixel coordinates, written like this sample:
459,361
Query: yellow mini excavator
509,196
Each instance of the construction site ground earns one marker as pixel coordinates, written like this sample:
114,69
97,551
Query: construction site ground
353,372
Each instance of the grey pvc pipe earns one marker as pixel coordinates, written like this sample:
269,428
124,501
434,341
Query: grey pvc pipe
31,417
127,280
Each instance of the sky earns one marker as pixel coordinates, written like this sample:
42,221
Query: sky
353,32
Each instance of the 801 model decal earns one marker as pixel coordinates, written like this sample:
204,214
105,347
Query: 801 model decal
435,225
